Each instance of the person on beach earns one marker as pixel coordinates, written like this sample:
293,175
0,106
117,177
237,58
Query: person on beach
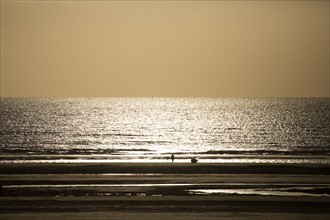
172,158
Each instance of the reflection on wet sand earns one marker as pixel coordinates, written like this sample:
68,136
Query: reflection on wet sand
168,187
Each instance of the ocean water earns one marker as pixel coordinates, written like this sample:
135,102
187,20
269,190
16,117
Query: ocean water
217,130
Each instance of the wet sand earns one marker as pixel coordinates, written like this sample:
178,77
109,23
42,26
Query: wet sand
165,168
164,216
160,191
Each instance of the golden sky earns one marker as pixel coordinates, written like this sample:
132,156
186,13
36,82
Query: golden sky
165,48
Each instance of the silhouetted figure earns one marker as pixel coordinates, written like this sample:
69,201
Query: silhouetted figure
172,157
194,160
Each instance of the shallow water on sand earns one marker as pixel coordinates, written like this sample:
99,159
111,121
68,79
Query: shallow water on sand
163,189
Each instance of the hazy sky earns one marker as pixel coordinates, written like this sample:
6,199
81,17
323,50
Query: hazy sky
164,48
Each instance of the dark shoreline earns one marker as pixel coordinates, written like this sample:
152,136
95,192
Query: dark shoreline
165,168
167,204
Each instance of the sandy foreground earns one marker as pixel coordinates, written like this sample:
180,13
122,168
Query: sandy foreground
163,216
163,191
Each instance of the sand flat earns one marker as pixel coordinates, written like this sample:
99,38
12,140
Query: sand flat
168,204
165,168
162,216
159,191
8,179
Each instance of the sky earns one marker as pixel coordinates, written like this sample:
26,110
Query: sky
164,48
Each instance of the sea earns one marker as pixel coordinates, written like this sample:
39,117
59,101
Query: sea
125,130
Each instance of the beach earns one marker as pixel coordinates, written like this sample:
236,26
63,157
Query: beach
169,190
167,110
